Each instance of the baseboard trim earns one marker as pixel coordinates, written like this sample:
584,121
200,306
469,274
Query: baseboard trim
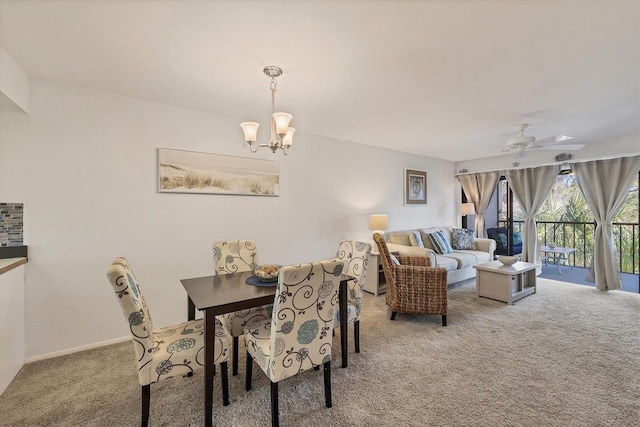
76,349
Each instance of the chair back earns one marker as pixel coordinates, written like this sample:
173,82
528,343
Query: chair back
355,256
385,258
302,321
235,256
136,314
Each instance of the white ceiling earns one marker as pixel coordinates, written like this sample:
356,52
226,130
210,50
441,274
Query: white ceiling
445,79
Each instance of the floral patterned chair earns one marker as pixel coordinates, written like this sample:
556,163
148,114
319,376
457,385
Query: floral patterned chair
356,259
235,257
413,286
298,336
167,352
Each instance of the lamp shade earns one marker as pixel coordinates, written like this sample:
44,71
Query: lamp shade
250,130
287,141
282,123
378,222
468,209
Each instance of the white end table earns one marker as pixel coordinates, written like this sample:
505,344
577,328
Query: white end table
557,255
506,283
374,281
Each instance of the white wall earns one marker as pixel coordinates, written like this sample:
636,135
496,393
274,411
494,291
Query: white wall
14,84
84,165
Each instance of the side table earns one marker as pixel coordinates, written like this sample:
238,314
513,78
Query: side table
374,281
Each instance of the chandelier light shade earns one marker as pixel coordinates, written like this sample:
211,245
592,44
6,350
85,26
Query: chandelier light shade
378,223
467,209
281,133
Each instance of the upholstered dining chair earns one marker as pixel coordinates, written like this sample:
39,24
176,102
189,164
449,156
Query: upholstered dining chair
298,336
167,352
413,286
235,257
355,256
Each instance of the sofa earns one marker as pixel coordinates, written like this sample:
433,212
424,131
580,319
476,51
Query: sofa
499,234
458,263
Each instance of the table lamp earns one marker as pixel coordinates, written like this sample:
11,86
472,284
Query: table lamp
378,223
467,209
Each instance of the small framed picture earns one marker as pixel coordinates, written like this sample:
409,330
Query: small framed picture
415,187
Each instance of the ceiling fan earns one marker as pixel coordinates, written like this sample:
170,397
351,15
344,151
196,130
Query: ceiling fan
521,142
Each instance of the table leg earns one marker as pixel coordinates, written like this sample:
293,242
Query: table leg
343,321
209,351
191,309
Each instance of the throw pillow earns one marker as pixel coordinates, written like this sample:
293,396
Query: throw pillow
440,243
400,239
464,239
394,259
416,239
517,239
502,241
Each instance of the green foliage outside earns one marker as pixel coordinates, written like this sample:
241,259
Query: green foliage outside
565,219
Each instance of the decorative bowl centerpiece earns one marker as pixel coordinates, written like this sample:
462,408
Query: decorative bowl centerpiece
267,273
508,260
551,245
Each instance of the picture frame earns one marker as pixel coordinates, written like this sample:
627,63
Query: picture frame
181,171
415,187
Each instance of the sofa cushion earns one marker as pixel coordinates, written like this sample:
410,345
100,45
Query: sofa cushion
440,243
462,259
480,256
463,239
447,263
400,238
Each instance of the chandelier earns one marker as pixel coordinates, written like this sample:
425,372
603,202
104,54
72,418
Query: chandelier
281,133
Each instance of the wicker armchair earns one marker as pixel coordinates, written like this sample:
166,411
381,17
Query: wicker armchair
413,286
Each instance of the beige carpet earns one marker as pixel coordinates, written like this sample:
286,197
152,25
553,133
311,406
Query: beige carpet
566,356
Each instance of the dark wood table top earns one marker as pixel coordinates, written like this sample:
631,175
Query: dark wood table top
226,293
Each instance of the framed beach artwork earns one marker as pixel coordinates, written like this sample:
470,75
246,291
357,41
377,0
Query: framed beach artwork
415,187
182,171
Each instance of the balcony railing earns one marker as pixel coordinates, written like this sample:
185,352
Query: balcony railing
579,235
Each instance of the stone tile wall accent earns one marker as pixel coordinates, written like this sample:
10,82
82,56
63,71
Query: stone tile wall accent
11,224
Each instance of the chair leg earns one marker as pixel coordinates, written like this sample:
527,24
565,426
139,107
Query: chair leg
225,383
146,398
234,356
444,320
249,369
356,335
327,384
393,315
275,418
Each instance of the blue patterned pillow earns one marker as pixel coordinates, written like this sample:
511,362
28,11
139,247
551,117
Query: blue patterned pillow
464,239
440,243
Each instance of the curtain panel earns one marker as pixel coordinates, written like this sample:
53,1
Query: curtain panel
531,187
605,185
479,188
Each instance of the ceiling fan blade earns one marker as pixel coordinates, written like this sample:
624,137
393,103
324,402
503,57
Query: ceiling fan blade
562,147
553,140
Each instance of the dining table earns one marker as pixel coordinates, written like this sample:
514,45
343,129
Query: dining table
226,293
